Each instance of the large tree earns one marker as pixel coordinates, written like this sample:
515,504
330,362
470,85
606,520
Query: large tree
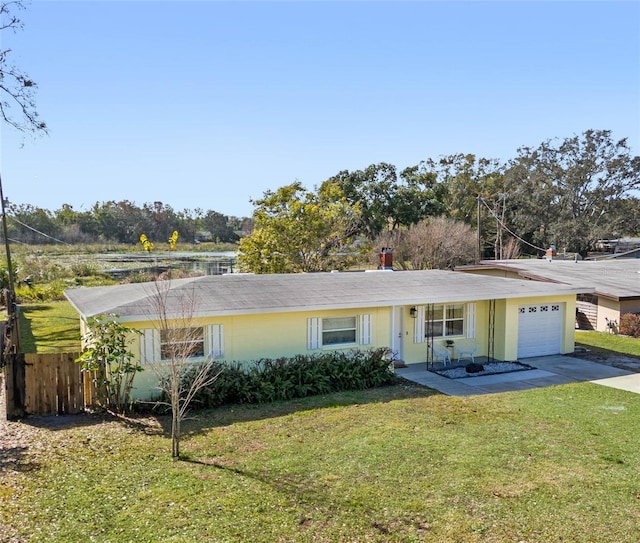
438,243
571,193
471,190
17,89
218,225
297,230
418,196
372,190
387,201
31,224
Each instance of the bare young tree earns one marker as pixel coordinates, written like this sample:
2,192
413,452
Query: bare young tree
439,243
511,249
17,89
183,367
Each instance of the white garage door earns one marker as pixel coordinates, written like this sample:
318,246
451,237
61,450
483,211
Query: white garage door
540,330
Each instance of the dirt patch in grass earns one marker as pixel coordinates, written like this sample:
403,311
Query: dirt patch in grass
610,358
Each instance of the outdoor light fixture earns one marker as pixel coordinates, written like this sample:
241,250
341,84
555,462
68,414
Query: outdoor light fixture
413,312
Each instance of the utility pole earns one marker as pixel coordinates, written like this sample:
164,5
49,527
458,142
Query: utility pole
11,359
6,241
478,248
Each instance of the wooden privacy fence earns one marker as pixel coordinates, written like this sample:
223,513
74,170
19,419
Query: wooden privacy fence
56,385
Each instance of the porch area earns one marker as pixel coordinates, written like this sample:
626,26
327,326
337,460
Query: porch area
549,371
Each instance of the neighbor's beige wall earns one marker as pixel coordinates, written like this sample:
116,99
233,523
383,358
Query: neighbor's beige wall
613,310
607,309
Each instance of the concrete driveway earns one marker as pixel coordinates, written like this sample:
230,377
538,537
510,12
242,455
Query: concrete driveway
550,370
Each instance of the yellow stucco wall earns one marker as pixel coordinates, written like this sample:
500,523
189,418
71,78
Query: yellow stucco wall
417,352
511,322
251,337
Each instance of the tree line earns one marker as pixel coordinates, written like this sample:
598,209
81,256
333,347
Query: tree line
566,193
441,212
120,222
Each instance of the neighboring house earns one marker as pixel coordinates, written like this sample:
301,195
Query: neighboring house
618,246
632,253
245,317
615,284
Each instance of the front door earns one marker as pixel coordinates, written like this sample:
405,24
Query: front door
397,332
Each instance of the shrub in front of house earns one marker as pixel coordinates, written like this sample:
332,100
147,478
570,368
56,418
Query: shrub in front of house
630,324
278,379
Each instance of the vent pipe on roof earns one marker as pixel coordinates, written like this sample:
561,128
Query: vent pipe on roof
551,252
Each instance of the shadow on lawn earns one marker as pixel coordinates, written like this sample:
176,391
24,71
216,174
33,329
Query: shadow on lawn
200,421
320,499
155,422
14,459
65,335
27,338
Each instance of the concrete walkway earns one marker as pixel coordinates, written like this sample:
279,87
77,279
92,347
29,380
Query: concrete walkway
550,370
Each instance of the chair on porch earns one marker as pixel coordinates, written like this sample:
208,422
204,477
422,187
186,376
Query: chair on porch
466,347
440,351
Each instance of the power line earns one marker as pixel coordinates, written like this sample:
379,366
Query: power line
507,229
38,231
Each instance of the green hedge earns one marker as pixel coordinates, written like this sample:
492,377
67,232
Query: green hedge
271,380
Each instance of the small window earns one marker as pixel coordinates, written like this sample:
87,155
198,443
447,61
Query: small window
455,320
445,320
181,343
339,330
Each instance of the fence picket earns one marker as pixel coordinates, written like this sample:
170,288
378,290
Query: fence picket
55,384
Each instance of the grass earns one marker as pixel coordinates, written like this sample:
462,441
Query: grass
610,342
396,464
49,327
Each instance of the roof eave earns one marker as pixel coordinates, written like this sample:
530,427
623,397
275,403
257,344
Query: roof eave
377,304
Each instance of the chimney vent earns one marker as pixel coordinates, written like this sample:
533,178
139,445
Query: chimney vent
386,259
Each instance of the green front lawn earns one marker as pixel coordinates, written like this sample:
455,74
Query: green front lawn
49,327
610,342
396,464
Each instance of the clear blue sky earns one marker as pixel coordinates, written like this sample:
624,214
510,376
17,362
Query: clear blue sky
208,104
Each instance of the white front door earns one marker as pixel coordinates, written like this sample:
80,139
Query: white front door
397,332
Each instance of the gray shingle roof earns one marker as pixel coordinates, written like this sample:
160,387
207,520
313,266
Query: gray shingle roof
217,295
617,279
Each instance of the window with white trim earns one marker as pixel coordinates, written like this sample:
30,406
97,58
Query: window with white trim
157,347
445,320
339,331
182,343
215,335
